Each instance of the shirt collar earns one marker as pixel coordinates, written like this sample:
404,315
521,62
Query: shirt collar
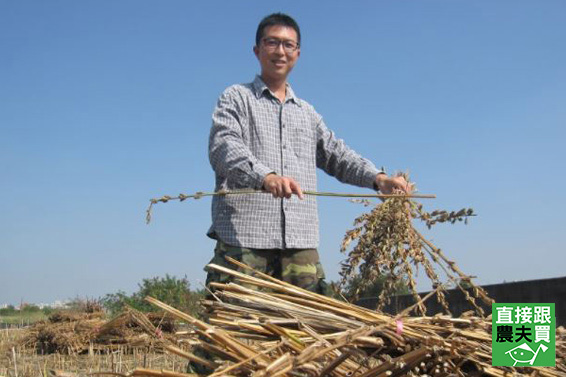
260,87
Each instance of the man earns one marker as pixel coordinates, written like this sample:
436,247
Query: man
264,137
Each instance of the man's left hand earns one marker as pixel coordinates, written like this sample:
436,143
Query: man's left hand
391,185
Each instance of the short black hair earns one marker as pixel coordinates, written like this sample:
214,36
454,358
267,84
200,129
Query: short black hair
276,19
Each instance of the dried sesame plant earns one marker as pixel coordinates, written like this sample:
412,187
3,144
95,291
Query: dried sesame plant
389,245
200,194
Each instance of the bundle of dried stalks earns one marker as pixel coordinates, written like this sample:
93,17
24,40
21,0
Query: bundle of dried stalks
70,316
277,329
132,328
388,245
561,346
76,333
62,336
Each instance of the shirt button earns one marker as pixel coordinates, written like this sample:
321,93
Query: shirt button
284,147
283,125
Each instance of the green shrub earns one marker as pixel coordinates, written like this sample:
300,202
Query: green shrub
30,308
169,289
8,311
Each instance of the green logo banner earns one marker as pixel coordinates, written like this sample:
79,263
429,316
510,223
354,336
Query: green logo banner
523,335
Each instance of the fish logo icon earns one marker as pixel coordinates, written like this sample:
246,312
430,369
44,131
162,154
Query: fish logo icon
522,352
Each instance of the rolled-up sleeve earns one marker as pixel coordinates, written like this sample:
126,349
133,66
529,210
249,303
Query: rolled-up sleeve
229,154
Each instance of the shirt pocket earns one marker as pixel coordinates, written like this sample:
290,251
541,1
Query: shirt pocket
303,140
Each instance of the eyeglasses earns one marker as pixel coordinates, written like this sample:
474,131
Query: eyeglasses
272,44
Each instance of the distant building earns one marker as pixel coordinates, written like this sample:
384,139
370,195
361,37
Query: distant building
59,304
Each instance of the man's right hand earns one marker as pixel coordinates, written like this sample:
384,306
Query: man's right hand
282,187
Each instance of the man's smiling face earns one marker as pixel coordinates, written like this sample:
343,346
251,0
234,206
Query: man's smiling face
277,62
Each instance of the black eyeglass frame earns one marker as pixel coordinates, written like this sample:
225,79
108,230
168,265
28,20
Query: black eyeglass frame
295,47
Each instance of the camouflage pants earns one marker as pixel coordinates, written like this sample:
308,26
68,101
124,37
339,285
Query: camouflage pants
300,267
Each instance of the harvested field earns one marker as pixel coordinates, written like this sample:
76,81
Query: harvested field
78,333
259,326
25,362
81,343
281,330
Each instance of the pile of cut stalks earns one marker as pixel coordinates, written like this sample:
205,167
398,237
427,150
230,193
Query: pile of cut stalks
260,326
80,333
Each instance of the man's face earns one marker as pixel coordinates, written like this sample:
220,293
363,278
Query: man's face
276,63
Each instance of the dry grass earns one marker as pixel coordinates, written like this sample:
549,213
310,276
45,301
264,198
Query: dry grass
24,361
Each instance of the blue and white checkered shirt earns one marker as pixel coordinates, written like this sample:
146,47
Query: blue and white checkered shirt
254,134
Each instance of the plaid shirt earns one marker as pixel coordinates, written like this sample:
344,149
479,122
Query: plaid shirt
254,134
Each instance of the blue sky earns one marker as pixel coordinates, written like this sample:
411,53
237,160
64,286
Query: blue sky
106,104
